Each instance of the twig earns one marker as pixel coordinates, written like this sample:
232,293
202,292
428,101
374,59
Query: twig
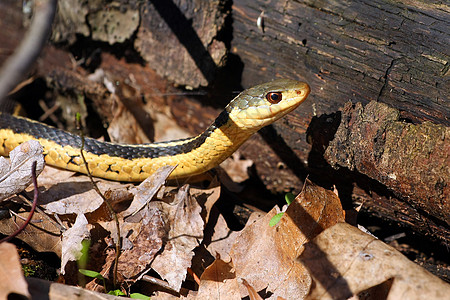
159,282
12,213
110,208
196,279
26,54
33,207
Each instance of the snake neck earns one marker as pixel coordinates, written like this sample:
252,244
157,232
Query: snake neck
223,137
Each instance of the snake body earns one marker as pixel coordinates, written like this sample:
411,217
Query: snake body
251,110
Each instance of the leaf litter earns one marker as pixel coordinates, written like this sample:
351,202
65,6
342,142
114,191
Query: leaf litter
310,253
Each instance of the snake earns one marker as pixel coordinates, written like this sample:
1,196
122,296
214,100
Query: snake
248,112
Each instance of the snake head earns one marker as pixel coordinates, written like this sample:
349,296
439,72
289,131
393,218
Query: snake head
263,104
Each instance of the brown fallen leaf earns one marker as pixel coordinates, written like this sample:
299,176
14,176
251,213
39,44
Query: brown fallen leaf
174,224
185,233
223,237
343,261
207,197
41,234
12,280
51,176
146,235
218,281
166,128
234,171
312,211
261,262
252,293
266,257
124,127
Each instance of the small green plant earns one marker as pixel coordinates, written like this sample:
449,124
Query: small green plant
28,271
116,292
289,198
139,296
93,274
83,260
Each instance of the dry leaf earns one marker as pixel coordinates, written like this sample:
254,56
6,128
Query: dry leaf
252,293
146,236
124,128
15,174
71,241
236,167
233,171
144,193
223,237
260,261
11,277
218,281
344,261
185,233
207,197
52,175
266,256
166,128
312,211
76,195
41,234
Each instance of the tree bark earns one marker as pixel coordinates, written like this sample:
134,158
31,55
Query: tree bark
360,51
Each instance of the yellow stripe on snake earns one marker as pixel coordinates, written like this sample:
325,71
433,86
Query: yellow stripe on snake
251,110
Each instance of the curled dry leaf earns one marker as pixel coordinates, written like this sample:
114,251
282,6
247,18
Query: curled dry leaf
267,256
144,193
71,241
11,277
343,261
15,174
185,233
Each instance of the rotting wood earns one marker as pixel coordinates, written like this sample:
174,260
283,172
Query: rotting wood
389,51
179,39
412,160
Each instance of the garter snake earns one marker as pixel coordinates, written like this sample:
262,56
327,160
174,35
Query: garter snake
251,110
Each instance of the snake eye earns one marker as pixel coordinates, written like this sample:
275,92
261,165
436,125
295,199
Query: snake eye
274,97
